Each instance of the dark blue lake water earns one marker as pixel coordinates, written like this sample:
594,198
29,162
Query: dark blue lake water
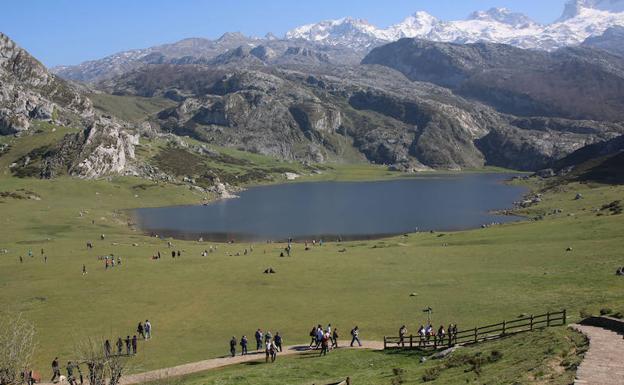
350,210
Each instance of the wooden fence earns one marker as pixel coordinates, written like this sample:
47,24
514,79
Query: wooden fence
478,334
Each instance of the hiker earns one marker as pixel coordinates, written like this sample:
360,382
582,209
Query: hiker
45,259
335,339
313,336
107,348
324,344
119,261
84,269
453,333
30,253
56,370
79,374
268,336
102,237
148,330
243,344
421,335
70,373
441,334
233,343
428,332
319,336
179,253
402,333
21,259
89,245
271,351
173,254
134,344
127,341
258,336
119,346
355,333
141,330
278,341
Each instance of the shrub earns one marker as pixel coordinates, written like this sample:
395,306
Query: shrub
618,315
605,311
431,374
584,313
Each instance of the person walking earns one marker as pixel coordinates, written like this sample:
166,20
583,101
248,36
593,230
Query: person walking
355,334
402,333
84,269
119,346
107,348
56,370
421,335
134,344
324,344
141,330
148,330
268,336
233,343
128,347
319,336
335,339
440,335
278,341
243,344
313,336
70,373
258,336
273,351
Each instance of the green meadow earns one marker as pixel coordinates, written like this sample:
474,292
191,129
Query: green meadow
197,303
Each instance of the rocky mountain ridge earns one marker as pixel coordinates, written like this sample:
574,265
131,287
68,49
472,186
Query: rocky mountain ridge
345,41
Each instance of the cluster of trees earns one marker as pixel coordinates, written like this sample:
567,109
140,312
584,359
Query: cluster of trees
17,347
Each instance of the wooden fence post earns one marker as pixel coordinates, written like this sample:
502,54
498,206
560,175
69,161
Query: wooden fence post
564,316
531,321
476,335
504,327
385,344
411,341
548,319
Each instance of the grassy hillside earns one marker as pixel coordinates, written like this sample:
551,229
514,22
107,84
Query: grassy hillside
545,357
130,108
196,303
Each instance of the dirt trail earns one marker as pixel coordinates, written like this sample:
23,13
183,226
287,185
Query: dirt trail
214,363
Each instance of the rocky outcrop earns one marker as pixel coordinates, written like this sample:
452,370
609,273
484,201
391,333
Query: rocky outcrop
29,92
103,148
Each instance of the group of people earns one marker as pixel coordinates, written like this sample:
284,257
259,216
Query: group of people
109,262
327,339
427,333
144,330
264,340
71,367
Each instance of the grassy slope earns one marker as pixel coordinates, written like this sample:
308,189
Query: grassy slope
130,108
196,303
548,356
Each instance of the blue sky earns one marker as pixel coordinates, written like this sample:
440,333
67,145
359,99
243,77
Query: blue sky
71,31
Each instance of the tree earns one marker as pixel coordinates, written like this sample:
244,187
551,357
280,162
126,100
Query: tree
16,347
102,369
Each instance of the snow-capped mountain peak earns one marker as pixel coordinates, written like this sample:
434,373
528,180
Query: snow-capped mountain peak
574,8
504,16
416,25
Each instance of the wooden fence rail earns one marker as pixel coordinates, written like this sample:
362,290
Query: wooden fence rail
478,334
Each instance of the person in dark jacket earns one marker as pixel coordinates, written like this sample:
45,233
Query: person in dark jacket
107,348
243,344
278,341
119,346
128,347
56,370
134,344
233,346
141,330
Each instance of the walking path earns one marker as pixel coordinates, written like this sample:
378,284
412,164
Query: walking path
604,361
214,363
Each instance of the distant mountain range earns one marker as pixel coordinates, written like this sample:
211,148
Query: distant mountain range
580,20
348,40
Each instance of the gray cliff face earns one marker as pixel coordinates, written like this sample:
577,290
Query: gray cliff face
29,92
363,112
612,40
572,83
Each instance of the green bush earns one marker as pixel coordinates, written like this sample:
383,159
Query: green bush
605,311
431,374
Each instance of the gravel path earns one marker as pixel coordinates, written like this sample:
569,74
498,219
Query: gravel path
604,361
214,363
